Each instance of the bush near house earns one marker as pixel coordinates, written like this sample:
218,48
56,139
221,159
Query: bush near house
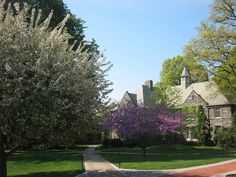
227,137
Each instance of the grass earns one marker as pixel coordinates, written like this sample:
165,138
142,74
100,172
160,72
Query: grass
168,157
57,163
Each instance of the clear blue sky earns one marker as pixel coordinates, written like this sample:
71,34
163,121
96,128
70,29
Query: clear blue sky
137,35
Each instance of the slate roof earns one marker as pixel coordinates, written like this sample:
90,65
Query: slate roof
140,97
133,97
209,91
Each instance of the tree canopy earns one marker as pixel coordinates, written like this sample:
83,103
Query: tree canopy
215,46
171,75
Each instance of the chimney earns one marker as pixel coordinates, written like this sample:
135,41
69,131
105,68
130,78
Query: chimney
149,83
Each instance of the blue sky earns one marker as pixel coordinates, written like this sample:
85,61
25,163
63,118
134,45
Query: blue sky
137,35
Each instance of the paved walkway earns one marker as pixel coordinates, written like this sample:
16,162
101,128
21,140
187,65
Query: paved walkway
97,166
215,170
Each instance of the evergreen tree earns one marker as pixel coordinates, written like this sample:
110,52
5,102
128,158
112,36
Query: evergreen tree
203,127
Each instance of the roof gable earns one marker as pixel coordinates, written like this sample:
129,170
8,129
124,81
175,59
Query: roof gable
129,98
194,99
209,91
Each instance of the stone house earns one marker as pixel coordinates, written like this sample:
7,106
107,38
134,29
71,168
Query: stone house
141,97
217,107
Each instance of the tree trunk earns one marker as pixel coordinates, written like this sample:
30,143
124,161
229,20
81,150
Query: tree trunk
3,163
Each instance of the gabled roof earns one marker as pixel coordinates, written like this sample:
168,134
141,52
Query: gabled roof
141,97
133,97
129,97
209,91
195,93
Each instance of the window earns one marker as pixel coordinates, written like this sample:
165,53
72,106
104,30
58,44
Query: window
217,112
192,97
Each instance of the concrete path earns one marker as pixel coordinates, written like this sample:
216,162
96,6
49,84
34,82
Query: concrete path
97,166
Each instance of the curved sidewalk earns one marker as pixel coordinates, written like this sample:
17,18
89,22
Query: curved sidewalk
97,166
214,170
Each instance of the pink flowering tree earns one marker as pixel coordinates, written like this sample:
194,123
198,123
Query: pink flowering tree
141,123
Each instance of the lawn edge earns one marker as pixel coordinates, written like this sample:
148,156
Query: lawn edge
182,169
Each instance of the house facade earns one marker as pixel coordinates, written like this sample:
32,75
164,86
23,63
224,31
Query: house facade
141,97
217,107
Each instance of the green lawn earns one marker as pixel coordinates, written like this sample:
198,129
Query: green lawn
168,157
56,163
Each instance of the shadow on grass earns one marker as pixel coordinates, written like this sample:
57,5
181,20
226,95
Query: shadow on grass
164,161
176,149
51,174
116,158
46,156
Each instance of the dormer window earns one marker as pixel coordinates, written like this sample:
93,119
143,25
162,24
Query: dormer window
217,112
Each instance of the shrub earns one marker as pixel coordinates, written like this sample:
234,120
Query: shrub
112,143
224,138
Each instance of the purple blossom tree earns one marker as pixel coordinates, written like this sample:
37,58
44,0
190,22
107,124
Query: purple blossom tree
141,123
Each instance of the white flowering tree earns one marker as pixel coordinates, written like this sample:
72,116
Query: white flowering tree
49,93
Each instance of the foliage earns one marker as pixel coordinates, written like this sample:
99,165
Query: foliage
167,95
203,127
111,143
50,94
233,128
171,75
74,26
215,46
224,138
140,123
227,137
172,69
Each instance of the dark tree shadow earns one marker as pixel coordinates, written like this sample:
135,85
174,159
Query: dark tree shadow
52,174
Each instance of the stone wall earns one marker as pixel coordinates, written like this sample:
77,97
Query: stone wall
225,116
194,100
126,100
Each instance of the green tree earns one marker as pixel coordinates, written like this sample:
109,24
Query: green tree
49,93
171,75
215,46
227,137
233,129
172,69
203,127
